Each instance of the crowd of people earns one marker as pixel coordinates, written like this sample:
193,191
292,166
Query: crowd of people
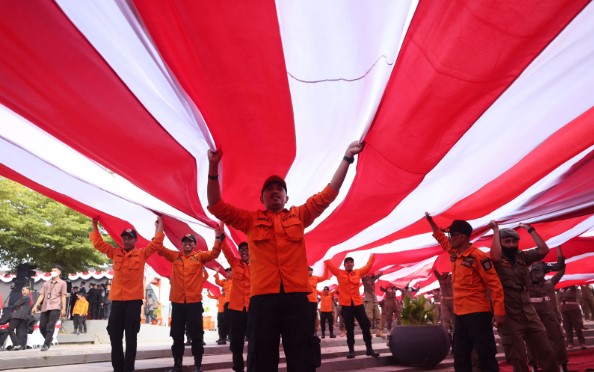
269,294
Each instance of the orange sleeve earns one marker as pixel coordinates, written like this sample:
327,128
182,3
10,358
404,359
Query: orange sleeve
227,252
316,205
365,269
232,216
442,240
491,279
331,267
213,253
168,254
100,245
218,280
155,244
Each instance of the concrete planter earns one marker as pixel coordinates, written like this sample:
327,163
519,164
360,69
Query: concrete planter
419,346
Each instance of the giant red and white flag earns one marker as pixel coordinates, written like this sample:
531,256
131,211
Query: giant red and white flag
473,110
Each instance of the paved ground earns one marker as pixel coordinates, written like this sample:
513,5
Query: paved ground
154,355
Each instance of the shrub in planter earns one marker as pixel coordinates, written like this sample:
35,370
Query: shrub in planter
418,341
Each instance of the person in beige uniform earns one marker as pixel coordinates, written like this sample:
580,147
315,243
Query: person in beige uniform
370,302
522,325
587,302
52,299
447,300
572,316
540,297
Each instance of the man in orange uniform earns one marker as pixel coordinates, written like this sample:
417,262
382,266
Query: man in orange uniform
278,269
472,275
225,285
220,307
127,291
239,301
351,303
326,311
313,297
187,279
80,312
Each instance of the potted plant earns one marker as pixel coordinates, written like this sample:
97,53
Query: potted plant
418,341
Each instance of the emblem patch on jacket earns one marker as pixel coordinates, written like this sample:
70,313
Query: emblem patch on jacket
467,261
487,265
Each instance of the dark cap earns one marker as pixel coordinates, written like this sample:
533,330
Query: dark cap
274,179
189,237
130,232
460,226
326,288
57,267
506,233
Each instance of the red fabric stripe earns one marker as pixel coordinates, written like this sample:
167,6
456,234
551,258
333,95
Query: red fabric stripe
228,57
55,79
435,94
113,225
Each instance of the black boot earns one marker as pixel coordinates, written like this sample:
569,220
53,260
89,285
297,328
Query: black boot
178,362
371,353
332,335
197,365
351,353
323,334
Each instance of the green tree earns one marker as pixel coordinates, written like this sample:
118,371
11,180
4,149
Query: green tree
43,232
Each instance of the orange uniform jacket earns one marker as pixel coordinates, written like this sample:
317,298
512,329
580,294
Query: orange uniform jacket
128,267
226,284
240,289
326,301
349,283
472,274
276,241
220,302
187,275
81,307
313,281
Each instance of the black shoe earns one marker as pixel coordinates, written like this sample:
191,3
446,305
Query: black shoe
371,353
197,369
332,335
221,342
45,348
323,335
351,355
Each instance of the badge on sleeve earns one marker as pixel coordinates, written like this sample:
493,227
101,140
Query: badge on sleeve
487,265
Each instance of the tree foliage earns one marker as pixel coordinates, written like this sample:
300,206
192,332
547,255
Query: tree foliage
43,232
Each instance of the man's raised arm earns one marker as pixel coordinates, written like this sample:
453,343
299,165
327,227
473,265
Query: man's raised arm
213,188
349,157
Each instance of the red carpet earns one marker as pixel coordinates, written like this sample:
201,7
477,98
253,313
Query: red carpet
579,361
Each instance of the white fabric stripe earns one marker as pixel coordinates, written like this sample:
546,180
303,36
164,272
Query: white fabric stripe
113,30
556,89
47,161
427,240
569,277
339,56
42,145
